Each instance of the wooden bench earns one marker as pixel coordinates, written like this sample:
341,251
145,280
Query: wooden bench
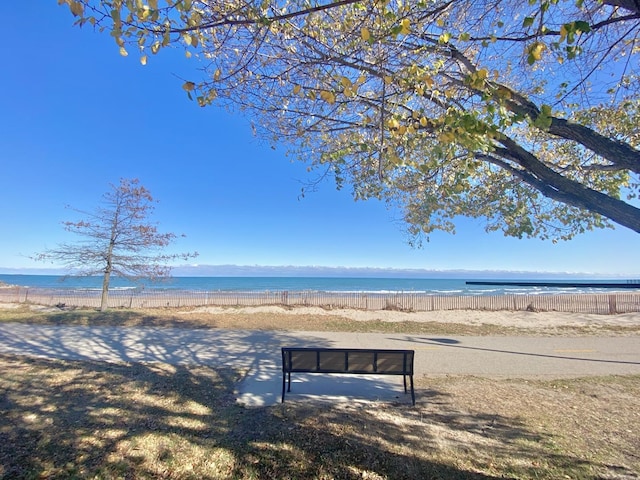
357,361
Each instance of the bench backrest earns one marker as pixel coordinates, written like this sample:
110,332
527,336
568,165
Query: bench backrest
347,360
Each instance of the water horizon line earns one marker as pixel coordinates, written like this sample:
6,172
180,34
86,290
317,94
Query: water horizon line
315,271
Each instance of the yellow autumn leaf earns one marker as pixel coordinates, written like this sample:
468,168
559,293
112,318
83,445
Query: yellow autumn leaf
346,83
424,122
406,26
364,33
535,51
123,52
143,60
188,86
296,89
216,75
563,33
328,97
393,123
77,9
446,137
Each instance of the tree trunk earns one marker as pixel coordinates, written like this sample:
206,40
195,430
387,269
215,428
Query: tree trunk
105,289
108,267
109,260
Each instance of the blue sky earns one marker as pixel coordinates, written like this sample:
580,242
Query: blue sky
76,116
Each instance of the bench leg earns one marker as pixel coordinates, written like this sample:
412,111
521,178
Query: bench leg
286,376
404,379
413,393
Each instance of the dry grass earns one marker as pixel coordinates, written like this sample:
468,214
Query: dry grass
332,322
65,419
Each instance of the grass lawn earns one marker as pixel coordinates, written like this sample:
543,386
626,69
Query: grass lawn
68,419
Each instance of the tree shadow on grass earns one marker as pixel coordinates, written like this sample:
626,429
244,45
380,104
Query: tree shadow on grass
79,419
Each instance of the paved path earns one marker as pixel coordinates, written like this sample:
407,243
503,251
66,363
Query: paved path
259,353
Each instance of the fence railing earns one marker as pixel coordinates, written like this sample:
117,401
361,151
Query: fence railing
599,303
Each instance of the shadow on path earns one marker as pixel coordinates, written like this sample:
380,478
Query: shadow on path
255,353
453,343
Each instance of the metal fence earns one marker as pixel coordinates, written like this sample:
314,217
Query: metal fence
599,303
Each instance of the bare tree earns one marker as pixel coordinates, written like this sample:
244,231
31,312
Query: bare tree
117,239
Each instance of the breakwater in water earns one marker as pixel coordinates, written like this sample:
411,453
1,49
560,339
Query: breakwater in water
598,285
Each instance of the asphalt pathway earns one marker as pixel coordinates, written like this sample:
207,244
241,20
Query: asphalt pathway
258,352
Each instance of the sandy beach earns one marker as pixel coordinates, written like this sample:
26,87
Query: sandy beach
259,316
519,319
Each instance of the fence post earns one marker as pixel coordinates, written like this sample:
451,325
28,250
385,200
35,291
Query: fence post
612,305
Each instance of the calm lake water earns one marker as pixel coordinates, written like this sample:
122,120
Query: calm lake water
444,286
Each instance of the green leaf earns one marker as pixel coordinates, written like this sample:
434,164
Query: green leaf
543,121
582,26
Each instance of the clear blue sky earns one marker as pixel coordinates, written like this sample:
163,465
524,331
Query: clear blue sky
76,116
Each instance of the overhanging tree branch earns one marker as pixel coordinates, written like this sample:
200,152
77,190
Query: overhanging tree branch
561,188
